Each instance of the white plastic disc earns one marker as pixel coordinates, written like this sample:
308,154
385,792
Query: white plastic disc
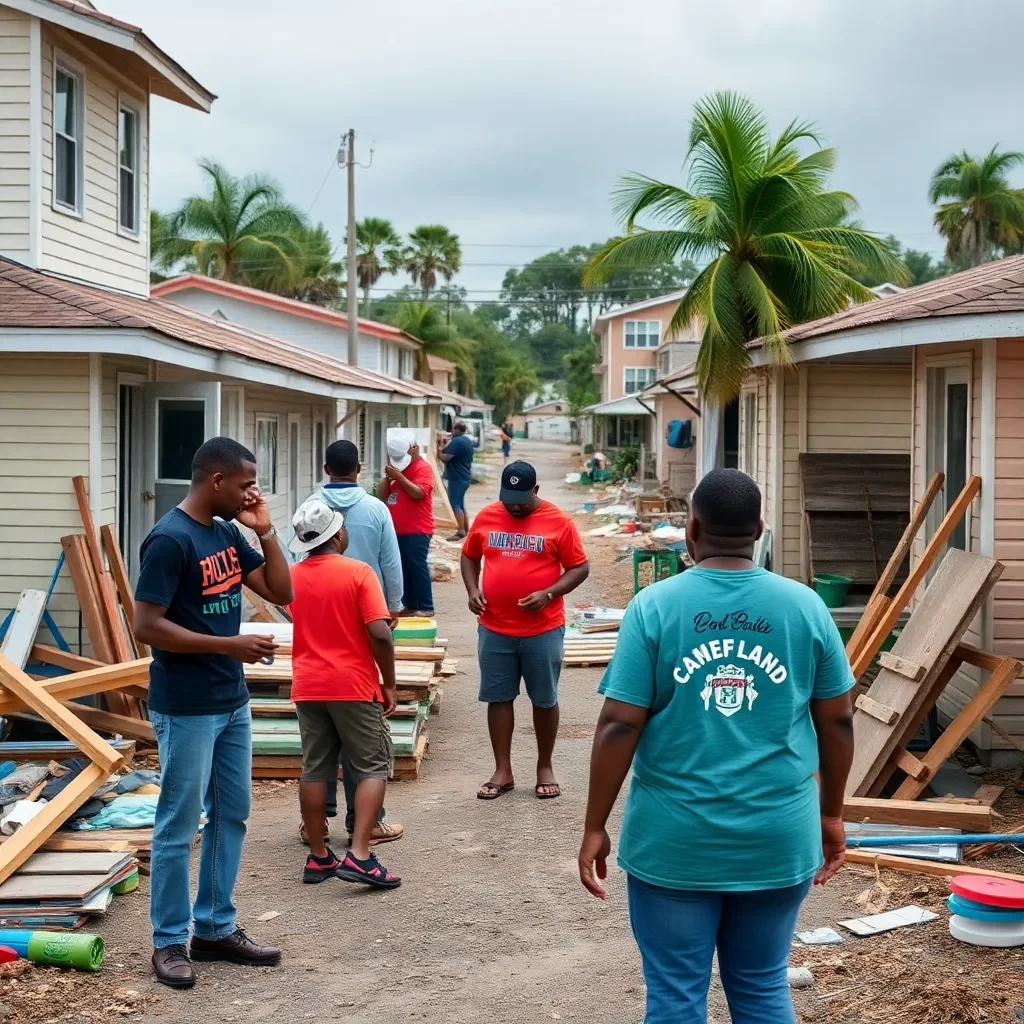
985,933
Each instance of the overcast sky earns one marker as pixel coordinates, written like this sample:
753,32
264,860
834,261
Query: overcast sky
510,122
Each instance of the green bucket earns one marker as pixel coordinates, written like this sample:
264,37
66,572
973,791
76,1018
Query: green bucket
832,589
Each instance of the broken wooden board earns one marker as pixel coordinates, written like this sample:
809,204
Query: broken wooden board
923,867
82,684
21,631
122,584
877,811
76,557
937,625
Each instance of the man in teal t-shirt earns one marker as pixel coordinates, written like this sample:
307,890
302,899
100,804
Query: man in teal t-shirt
729,690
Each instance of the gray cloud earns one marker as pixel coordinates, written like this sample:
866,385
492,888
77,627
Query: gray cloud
510,122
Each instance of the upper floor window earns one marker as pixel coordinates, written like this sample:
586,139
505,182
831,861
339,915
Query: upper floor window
405,364
128,169
637,378
68,139
642,333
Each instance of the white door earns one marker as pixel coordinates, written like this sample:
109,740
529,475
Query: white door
177,419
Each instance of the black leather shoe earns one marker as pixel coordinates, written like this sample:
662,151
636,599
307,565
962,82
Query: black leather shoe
173,967
236,948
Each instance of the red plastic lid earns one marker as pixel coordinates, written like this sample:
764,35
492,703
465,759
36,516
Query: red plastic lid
995,892
7,955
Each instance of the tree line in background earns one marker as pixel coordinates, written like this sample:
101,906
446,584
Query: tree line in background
756,238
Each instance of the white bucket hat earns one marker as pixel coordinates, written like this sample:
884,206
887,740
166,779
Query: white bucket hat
314,524
398,452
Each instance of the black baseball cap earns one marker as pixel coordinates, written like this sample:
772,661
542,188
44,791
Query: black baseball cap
518,480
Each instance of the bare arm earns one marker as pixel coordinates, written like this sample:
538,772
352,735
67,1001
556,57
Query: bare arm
383,488
565,584
272,580
471,578
413,490
833,723
618,731
445,458
153,628
382,646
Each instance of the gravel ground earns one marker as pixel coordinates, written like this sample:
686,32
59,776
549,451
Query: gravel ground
491,923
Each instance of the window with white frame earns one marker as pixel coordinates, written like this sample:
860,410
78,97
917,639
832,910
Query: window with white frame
68,139
638,377
642,333
266,453
128,149
750,433
664,362
405,364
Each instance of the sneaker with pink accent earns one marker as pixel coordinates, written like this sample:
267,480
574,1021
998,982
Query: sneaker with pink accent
368,872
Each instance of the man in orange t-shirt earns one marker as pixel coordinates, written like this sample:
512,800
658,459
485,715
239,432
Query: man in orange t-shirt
532,556
341,650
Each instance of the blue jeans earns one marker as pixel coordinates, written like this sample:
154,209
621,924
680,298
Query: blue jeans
206,765
457,493
677,931
348,781
413,549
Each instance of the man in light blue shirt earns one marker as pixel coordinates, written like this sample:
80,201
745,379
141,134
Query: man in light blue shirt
728,691
371,539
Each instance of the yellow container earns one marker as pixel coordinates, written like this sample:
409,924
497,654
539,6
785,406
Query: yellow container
416,632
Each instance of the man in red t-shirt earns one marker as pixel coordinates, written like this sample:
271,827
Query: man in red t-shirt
341,650
532,556
408,489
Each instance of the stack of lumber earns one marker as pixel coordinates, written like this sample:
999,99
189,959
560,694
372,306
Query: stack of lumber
62,890
583,649
277,750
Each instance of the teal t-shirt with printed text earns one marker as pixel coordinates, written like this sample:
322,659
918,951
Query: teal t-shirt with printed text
723,795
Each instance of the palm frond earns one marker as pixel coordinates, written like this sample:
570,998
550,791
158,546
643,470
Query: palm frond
645,248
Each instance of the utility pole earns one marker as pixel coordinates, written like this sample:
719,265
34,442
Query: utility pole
351,305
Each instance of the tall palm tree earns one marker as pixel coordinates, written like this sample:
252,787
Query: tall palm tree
311,273
777,246
378,252
242,228
515,382
432,250
983,213
425,321
168,254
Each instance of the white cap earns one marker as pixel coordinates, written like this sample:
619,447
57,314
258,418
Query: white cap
398,452
314,524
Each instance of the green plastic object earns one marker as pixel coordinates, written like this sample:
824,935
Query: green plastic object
832,589
66,949
127,884
664,564
415,632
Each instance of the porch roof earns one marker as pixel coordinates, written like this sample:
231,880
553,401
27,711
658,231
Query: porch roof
77,317
625,406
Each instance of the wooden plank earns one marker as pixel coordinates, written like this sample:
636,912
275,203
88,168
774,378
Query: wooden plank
977,657
902,666
122,583
108,602
107,721
937,625
63,659
1000,731
261,611
77,561
24,624
962,726
906,542
64,721
935,547
82,684
440,491
84,862
31,836
977,819
884,714
906,762
988,795
923,867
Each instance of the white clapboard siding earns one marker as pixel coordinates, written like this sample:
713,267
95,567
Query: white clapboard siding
858,408
90,248
14,135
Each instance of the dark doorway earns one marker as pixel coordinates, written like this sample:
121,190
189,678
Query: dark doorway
731,435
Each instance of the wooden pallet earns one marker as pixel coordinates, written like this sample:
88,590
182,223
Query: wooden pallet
408,767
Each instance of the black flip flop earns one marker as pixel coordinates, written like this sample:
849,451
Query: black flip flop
547,796
491,790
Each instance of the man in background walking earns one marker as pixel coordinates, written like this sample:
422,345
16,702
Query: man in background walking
457,456
532,557
188,608
408,488
371,540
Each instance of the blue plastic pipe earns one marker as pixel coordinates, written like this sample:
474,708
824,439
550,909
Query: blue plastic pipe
17,939
853,842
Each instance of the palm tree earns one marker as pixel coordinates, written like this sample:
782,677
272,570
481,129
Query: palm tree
168,254
983,213
425,321
311,274
241,229
516,380
776,245
378,253
432,250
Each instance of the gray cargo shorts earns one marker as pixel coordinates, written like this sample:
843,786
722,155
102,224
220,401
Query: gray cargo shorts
505,660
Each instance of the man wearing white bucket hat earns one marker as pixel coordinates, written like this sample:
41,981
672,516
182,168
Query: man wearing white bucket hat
408,489
341,638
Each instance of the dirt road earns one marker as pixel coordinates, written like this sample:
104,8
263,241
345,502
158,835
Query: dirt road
490,923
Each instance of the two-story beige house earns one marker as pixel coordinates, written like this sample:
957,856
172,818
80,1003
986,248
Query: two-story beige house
99,379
